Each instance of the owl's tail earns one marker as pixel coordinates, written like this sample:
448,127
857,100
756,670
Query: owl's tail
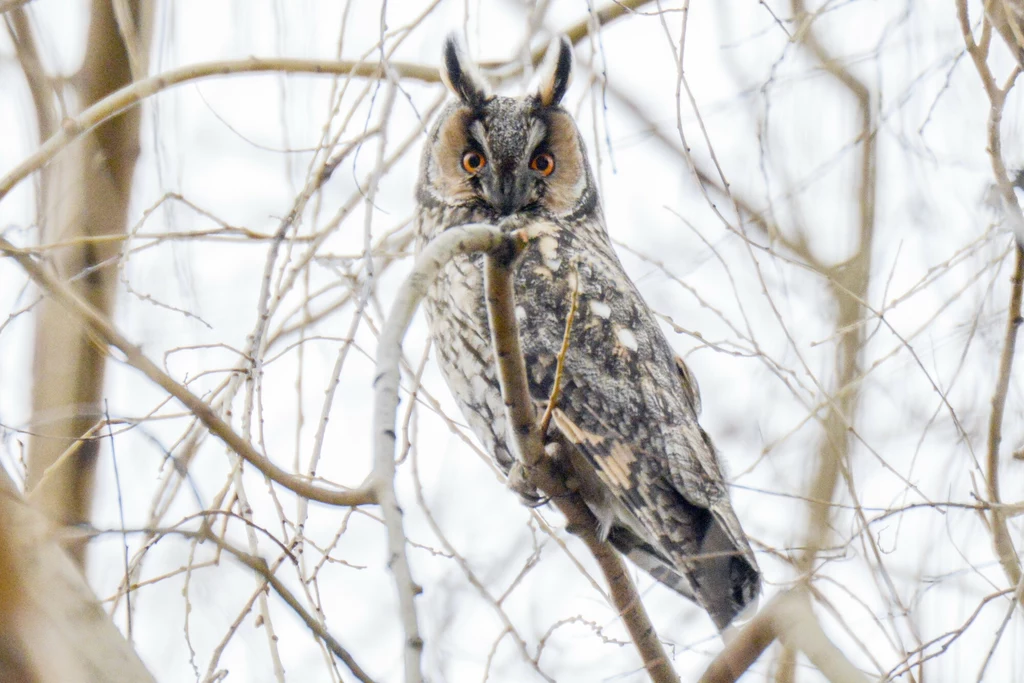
722,580
648,558
727,582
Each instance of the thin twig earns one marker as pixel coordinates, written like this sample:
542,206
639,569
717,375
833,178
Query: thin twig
81,309
74,127
556,389
1001,538
120,511
260,566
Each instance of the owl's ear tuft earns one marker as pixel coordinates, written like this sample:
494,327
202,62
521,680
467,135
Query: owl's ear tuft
555,72
461,75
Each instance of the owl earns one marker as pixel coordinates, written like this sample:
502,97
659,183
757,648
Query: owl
625,421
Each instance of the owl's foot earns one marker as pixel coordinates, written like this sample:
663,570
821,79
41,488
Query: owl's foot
519,482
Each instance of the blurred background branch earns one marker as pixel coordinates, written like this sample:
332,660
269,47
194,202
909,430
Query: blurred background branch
1007,23
85,193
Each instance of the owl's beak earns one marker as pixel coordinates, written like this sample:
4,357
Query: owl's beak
509,194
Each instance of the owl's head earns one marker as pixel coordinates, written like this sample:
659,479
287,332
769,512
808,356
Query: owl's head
501,156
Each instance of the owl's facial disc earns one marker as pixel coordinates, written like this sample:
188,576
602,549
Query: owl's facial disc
508,155
503,137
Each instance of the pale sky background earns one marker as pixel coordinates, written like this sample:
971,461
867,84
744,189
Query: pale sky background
759,327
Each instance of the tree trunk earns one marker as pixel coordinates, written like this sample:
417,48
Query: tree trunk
86,192
52,627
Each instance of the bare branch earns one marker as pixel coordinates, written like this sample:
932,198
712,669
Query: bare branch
464,239
260,567
545,474
129,96
1001,538
84,311
789,618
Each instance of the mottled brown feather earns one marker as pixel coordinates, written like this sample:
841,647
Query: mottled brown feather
627,412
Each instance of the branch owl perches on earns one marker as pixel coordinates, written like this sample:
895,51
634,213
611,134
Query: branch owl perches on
624,428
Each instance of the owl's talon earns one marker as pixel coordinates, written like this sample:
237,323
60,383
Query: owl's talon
519,482
575,529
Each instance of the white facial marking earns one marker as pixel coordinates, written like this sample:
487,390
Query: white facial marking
480,135
520,314
580,185
535,136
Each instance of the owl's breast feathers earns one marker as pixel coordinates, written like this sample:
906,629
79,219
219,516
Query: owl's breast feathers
623,405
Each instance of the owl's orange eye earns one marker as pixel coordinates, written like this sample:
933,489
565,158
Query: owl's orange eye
543,164
473,161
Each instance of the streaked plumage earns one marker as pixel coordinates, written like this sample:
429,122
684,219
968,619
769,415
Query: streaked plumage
626,420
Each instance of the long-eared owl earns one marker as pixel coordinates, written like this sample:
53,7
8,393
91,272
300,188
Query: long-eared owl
626,418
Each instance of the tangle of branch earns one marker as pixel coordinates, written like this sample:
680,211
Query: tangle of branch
105,330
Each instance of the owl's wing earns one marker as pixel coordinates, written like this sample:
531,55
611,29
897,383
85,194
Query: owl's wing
688,539
675,519
629,408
